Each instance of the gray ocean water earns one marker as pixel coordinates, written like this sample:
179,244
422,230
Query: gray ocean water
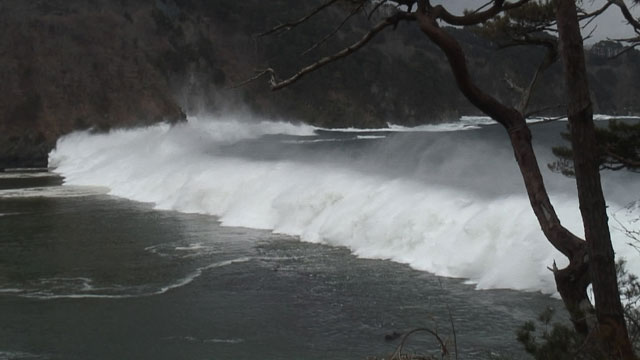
97,277
85,275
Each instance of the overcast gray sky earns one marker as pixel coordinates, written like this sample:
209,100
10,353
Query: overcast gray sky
611,24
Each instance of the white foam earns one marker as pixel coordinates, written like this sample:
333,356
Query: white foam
485,120
198,272
477,120
53,192
179,250
191,247
441,127
224,341
329,140
11,355
10,290
194,339
464,123
10,214
312,141
495,242
82,288
25,175
610,117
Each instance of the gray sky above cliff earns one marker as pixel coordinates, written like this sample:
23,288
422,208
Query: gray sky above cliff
611,24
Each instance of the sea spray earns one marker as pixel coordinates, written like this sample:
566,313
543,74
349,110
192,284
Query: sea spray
453,205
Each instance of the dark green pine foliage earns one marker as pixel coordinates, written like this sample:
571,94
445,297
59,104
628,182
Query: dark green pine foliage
618,147
520,24
547,340
544,340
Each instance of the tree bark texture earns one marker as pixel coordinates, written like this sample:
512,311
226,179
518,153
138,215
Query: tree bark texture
572,281
612,330
590,261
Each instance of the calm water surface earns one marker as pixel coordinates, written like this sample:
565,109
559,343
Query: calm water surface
84,275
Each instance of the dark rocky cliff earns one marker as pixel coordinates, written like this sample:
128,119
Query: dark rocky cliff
71,64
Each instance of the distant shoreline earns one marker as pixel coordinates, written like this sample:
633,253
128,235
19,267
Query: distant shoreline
25,170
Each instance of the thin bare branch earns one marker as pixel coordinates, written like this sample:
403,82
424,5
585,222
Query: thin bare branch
259,74
551,56
390,21
526,96
487,4
377,7
625,50
474,18
585,38
589,21
627,14
624,161
451,322
291,25
397,355
634,235
329,35
550,26
595,13
628,40
512,85
539,111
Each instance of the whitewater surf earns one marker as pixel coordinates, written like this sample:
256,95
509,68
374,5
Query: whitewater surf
447,199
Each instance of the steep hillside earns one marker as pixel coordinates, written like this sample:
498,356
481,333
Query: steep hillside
74,65
71,64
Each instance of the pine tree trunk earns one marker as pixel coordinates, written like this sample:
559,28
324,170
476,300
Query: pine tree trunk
572,281
612,330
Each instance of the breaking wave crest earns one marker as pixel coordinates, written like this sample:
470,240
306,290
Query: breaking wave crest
429,213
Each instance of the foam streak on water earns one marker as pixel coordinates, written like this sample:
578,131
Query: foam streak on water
82,288
52,191
494,241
